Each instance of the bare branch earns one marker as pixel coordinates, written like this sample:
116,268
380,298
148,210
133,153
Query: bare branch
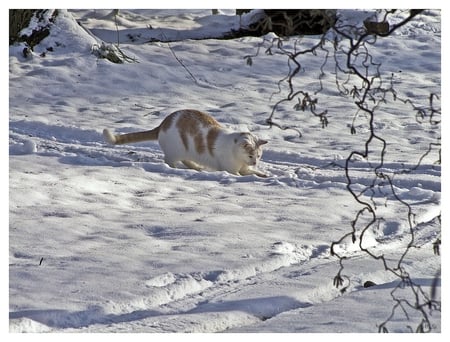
358,76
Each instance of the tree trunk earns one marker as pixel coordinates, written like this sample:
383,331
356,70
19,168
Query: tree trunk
20,19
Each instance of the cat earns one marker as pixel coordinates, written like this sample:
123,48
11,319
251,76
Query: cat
198,141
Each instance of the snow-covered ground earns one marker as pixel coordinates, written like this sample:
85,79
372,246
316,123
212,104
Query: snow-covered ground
110,239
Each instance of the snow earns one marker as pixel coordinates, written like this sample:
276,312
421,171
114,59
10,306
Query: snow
110,239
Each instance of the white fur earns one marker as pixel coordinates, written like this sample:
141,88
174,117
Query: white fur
206,145
228,155
109,137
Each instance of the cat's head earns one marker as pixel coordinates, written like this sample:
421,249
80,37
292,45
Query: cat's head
249,147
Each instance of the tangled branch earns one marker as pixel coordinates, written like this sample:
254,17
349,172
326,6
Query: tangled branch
358,76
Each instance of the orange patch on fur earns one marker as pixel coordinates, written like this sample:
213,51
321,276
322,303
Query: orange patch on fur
189,124
167,122
199,143
249,148
211,140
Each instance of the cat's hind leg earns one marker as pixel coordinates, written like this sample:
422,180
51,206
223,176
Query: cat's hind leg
171,162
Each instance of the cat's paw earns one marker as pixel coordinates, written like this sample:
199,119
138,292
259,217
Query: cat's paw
262,175
248,171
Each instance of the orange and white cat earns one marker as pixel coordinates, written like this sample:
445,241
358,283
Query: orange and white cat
198,141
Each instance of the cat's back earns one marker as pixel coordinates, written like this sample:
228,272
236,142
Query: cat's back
189,120
189,133
188,123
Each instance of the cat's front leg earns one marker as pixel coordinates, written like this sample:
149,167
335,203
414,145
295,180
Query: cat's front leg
245,171
260,174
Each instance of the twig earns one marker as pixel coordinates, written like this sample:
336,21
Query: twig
178,59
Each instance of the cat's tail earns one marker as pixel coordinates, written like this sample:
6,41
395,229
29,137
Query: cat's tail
130,137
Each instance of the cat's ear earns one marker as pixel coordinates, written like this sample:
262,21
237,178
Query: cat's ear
261,142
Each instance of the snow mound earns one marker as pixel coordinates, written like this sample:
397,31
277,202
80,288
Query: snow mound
27,147
27,325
